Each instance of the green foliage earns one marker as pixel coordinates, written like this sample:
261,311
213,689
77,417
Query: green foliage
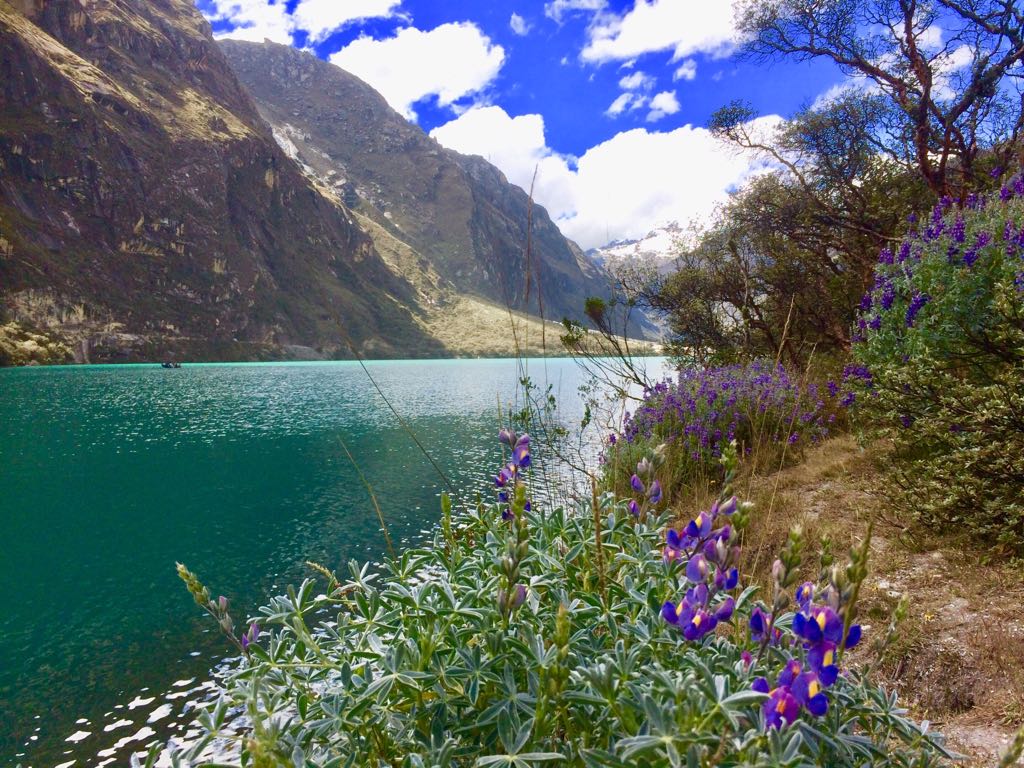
942,342
423,665
789,256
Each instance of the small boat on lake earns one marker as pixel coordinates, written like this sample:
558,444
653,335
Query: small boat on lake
170,365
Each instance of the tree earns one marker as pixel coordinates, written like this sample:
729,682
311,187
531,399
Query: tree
787,259
949,70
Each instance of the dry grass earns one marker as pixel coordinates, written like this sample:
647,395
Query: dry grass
958,660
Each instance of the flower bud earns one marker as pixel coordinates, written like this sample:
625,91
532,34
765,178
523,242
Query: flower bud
520,596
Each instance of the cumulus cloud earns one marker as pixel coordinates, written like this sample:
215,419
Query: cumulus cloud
620,188
635,81
254,20
664,103
686,26
947,65
559,9
518,24
450,62
628,101
322,17
686,71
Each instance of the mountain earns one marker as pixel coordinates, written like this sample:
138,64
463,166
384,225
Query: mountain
657,249
147,211
458,213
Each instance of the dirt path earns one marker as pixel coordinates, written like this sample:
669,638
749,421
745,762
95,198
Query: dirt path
958,659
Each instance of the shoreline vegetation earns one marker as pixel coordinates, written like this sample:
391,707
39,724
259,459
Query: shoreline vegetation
524,635
467,337
751,580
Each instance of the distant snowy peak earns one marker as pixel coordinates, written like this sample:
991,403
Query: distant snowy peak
658,248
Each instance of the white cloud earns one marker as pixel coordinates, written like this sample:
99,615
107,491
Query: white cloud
626,101
635,81
450,61
559,9
687,26
664,103
947,68
686,71
322,17
930,39
254,20
621,188
518,24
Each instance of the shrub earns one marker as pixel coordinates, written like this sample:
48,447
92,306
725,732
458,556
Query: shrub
940,365
521,636
695,416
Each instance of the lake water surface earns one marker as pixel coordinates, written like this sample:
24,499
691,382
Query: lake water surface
110,474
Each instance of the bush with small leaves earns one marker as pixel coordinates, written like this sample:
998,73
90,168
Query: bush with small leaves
940,365
522,636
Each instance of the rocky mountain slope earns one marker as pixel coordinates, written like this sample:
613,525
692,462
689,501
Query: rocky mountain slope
458,213
146,210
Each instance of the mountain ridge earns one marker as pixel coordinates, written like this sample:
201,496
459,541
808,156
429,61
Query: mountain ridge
149,211
458,211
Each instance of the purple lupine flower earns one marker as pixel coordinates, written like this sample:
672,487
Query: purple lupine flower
885,256
634,508
996,172
521,452
700,526
916,303
806,689
637,484
904,252
726,580
888,295
820,624
1018,281
959,231
759,623
507,437
251,636
780,708
692,615
654,493
875,323
697,569
804,595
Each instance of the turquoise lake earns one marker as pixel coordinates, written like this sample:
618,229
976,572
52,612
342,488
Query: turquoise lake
110,474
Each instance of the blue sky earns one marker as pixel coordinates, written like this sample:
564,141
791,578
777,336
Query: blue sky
606,99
